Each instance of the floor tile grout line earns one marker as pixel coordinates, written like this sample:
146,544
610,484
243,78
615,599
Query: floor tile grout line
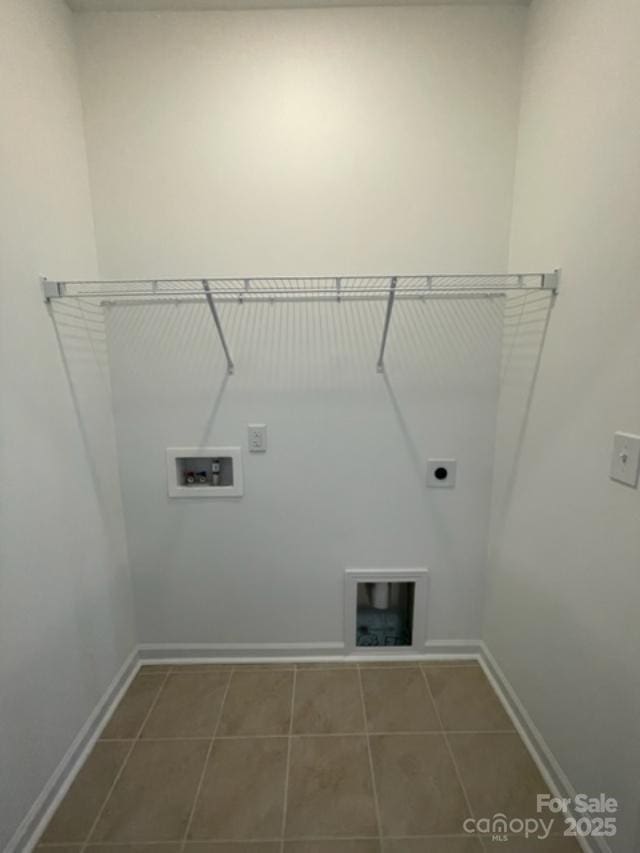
118,775
288,762
200,784
449,749
350,733
266,840
376,803
156,738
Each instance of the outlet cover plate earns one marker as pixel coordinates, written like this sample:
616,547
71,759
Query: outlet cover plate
441,473
625,460
257,438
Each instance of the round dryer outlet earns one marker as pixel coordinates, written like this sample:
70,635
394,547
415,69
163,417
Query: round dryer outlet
441,473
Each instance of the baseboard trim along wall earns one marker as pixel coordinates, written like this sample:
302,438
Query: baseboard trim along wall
546,762
269,652
27,834
222,652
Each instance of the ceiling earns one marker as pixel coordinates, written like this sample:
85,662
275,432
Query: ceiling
191,5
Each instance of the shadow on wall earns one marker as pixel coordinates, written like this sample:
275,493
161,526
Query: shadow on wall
287,347
81,336
280,347
439,346
526,321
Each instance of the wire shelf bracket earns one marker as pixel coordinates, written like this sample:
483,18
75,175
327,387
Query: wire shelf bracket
216,319
337,289
387,321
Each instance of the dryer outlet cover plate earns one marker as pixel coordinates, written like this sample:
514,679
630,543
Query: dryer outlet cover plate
441,473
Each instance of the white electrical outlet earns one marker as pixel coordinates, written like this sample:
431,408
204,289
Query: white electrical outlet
625,461
257,438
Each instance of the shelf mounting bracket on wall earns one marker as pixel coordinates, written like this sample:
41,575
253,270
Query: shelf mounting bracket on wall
387,321
51,289
551,281
216,320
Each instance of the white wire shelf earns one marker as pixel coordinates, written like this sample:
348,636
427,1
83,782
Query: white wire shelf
307,289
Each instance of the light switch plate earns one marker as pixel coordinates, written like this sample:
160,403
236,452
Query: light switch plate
441,473
625,461
257,438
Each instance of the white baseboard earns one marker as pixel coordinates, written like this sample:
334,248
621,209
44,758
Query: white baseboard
448,648
164,653
239,652
32,826
546,762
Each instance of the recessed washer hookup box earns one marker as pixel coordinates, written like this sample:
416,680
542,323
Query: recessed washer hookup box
204,472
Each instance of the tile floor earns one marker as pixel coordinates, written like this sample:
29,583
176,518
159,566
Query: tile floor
301,758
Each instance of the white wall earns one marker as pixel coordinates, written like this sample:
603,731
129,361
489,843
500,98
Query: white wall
357,141
562,616
351,141
65,609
